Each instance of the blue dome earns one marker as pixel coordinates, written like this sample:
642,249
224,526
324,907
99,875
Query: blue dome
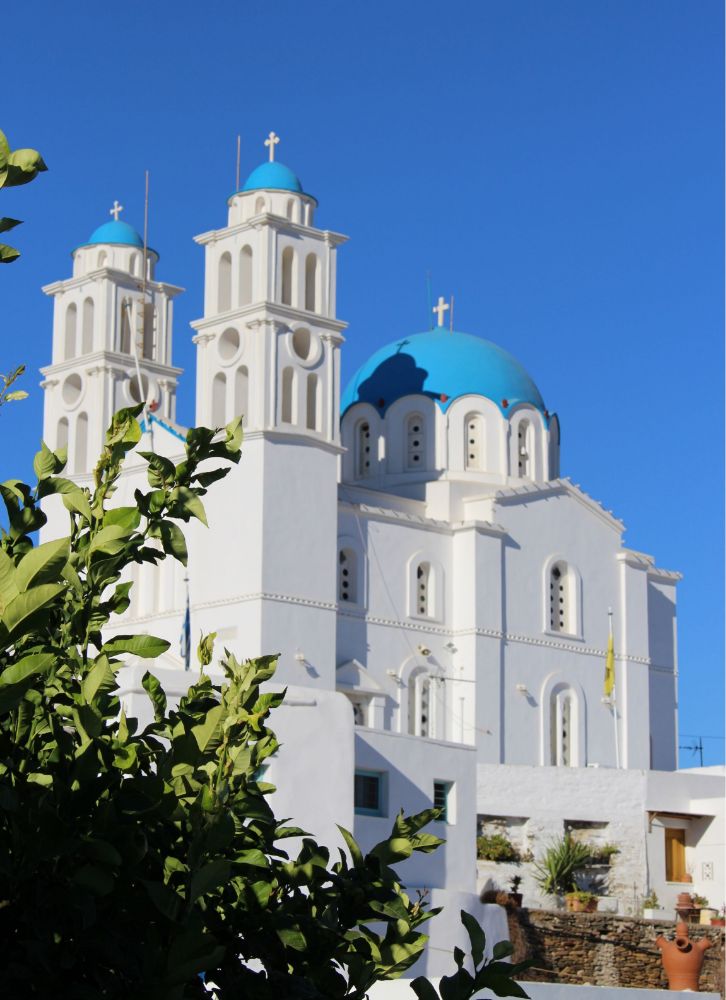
116,232
273,176
442,366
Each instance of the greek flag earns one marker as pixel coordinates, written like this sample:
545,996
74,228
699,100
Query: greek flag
185,639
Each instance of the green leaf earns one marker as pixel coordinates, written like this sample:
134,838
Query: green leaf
8,584
423,989
146,646
503,986
45,463
209,731
502,949
6,224
172,538
155,691
161,471
99,678
8,254
292,938
233,438
28,666
24,606
110,539
205,649
77,503
476,936
191,504
210,877
127,518
352,845
43,564
96,880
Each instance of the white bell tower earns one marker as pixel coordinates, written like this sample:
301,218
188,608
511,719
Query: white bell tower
268,347
111,325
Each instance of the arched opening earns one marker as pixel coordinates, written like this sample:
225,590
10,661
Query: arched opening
347,576
245,276
290,208
69,342
139,394
415,442
301,343
61,437
288,259
312,403
241,393
102,258
219,399
125,338
474,442
286,408
81,449
87,327
224,283
524,448
259,206
423,589
561,598
133,263
311,278
420,703
363,450
563,727
228,343
149,332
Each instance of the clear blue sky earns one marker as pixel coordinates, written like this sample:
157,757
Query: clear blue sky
555,164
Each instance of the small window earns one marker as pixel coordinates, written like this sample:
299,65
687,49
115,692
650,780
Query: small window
423,588
524,448
69,346
347,582
87,334
259,206
286,409
363,450
675,852
474,442
241,393
561,599
312,422
360,711
61,439
219,399
369,793
562,728
288,259
81,459
311,268
245,276
420,704
415,442
224,288
443,800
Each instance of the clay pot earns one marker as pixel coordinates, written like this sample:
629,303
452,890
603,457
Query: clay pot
684,901
682,959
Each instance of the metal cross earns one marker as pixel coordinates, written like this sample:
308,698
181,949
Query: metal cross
115,210
440,308
271,141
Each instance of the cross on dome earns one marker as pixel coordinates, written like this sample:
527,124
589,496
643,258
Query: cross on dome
271,141
116,210
440,308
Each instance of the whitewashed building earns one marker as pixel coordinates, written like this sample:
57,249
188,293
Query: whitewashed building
438,595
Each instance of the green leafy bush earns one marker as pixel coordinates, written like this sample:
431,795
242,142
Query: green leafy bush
497,847
133,860
555,872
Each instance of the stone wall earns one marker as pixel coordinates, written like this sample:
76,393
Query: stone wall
604,950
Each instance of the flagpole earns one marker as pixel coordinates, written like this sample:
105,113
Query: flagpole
613,702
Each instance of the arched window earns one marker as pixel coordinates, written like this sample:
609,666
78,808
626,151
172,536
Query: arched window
125,340
524,448
241,393
81,450
290,208
312,403
259,206
420,704
224,283
133,261
69,345
87,327
423,595
61,438
219,399
563,727
102,258
474,442
347,576
288,259
363,450
415,442
245,276
149,337
311,278
286,409
561,598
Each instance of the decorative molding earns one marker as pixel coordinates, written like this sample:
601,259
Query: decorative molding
532,491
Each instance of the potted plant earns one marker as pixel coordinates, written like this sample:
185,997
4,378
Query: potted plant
720,920
580,901
515,895
650,905
563,860
496,847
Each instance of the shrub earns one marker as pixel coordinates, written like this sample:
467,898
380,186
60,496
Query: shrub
496,848
555,872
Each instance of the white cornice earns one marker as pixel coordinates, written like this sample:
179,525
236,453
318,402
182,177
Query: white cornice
537,491
121,278
308,439
267,311
277,222
396,516
113,362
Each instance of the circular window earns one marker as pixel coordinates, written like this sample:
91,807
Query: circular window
228,344
139,397
72,389
302,343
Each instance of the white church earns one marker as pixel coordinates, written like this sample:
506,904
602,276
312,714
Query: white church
438,594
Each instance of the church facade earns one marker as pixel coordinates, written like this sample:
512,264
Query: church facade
441,599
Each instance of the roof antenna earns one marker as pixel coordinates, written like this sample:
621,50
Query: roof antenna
451,316
239,142
429,310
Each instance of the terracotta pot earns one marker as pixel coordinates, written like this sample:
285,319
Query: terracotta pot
718,921
682,959
684,901
577,906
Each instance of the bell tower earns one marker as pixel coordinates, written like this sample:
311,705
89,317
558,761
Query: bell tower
268,347
112,340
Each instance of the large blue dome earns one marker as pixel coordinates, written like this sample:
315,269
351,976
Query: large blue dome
116,232
442,365
272,176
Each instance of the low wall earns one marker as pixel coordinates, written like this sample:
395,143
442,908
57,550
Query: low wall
400,989
603,949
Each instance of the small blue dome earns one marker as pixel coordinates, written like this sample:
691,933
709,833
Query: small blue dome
272,176
442,366
116,232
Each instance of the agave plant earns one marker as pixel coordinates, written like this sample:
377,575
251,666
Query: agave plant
556,871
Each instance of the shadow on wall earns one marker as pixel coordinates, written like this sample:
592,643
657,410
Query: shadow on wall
420,870
396,377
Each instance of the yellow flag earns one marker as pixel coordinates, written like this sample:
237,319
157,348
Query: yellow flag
609,668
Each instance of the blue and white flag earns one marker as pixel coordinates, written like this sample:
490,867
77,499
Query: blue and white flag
185,639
